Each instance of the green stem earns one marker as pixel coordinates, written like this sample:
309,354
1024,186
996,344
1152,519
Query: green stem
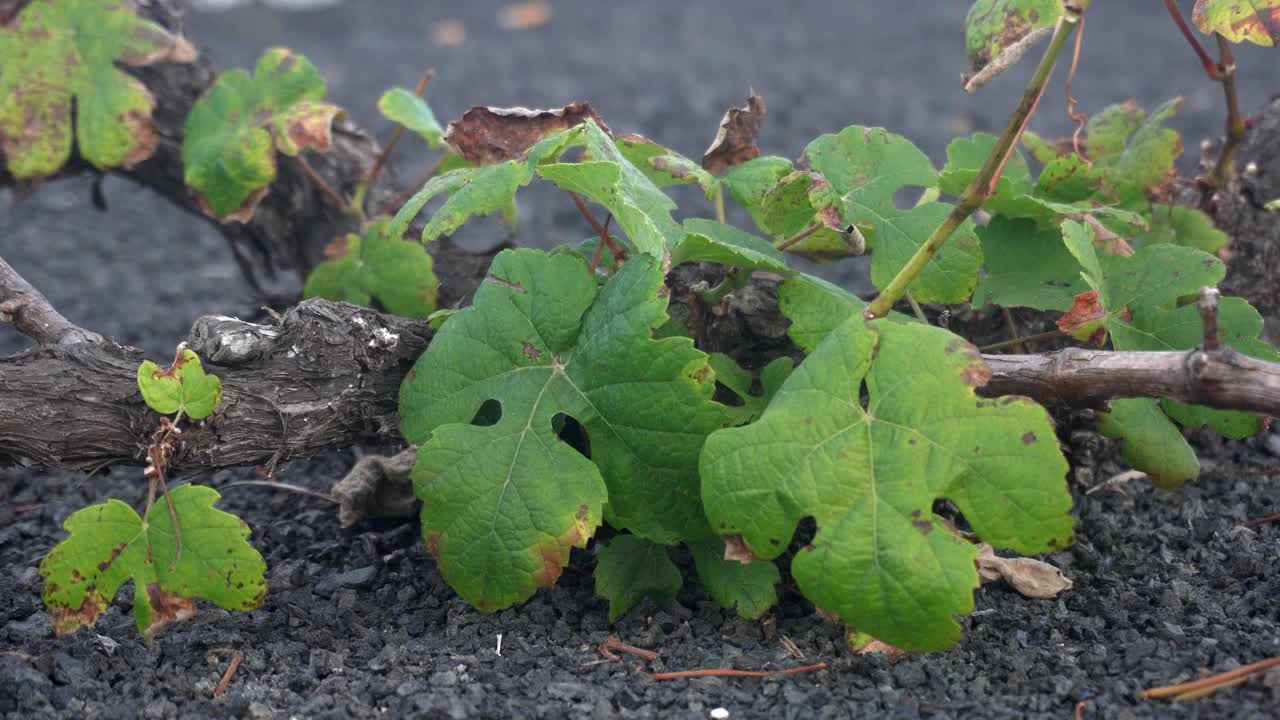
735,280
983,185
720,203
791,242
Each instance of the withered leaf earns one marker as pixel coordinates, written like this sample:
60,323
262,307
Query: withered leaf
735,548
1085,321
1033,578
489,135
735,143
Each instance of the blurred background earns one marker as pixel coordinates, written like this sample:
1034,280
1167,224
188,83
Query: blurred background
668,70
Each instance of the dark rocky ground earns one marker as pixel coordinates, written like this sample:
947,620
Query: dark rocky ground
358,622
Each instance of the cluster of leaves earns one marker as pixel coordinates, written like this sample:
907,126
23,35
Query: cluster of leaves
565,397
110,544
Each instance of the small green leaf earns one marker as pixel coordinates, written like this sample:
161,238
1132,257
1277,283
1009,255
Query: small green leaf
59,52
710,241
397,273
631,568
665,167
750,589
1078,239
643,210
749,182
733,376
1257,21
1150,441
993,25
110,545
865,168
1147,156
874,427
403,106
503,503
1026,265
233,132
184,387
1182,225
795,206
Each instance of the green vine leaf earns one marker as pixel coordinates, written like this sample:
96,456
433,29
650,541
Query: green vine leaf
477,191
629,569
874,427
503,503
398,273
403,106
57,52
739,381
1182,225
993,26
865,167
184,387
1027,265
751,589
110,545
234,131
1150,442
710,241
815,308
609,178
665,167
1257,21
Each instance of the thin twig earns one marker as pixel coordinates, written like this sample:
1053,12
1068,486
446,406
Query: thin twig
382,159
236,657
595,258
734,673
1018,342
284,486
334,197
618,253
1208,307
1235,121
1039,337
1204,686
1210,67
915,308
1263,520
720,203
1077,117
790,242
612,643
394,204
1081,707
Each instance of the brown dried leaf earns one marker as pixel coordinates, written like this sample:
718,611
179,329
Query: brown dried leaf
735,548
879,647
244,215
377,487
1033,578
524,16
488,135
157,45
167,609
448,33
735,142
1084,320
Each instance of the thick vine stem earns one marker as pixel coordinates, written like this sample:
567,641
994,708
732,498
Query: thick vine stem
981,187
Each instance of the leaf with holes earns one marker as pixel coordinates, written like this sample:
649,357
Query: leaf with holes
879,423
183,387
504,502
234,131
111,545
632,568
477,191
62,53
750,588
1257,21
403,106
395,272
608,177
865,168
740,382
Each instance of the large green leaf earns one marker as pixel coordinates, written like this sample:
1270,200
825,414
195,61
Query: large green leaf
609,178
397,273
110,545
632,568
1257,21
710,241
233,132
58,52
751,589
503,503
866,167
874,427
1026,265
740,382
183,387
